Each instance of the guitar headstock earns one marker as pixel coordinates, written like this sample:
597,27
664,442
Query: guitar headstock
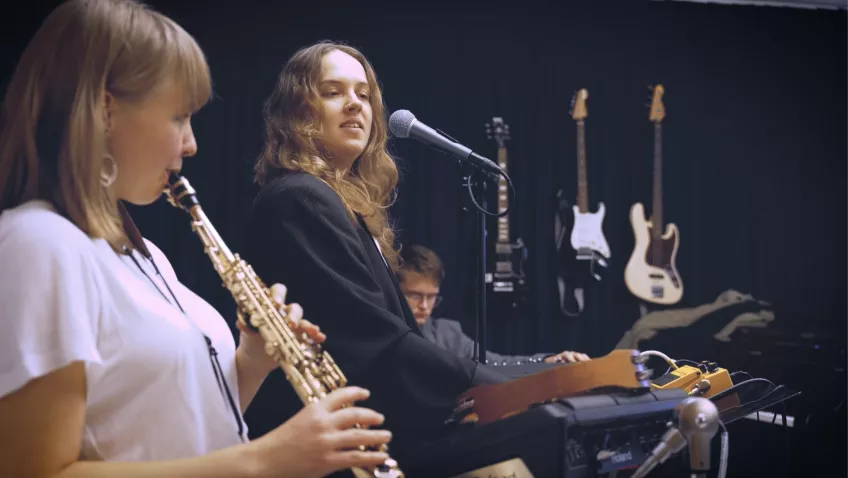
498,130
657,107
578,105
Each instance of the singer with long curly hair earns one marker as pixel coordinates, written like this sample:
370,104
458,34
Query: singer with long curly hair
350,158
320,225
109,366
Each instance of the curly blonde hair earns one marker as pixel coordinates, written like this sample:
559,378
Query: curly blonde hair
52,123
293,142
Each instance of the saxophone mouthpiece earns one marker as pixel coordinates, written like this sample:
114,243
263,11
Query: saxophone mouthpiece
173,178
179,192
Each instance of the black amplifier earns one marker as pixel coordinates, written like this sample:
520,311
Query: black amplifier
577,437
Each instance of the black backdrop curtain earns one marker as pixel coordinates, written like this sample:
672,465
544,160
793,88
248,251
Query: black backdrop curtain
754,140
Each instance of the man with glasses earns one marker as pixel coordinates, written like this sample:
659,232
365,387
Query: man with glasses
420,275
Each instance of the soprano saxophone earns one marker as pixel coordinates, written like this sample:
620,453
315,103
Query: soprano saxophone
310,370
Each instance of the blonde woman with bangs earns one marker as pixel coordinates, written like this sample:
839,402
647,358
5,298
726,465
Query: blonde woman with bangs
109,366
320,225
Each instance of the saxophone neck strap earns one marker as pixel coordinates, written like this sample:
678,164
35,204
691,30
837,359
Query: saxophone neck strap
132,232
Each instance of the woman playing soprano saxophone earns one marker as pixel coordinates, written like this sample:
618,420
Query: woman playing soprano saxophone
109,367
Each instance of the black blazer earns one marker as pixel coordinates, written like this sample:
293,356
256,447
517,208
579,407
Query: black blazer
300,235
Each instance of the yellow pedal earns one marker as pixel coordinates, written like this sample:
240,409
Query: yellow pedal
683,377
705,380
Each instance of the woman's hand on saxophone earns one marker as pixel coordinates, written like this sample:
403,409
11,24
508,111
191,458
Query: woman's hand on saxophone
252,345
320,439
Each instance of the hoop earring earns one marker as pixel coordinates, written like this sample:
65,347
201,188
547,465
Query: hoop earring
106,179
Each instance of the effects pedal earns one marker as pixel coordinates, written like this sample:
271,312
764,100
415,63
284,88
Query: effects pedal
705,380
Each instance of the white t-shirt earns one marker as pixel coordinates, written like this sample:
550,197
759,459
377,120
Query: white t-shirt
152,393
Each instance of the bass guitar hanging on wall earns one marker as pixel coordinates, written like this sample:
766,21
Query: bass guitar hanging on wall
582,254
507,282
651,273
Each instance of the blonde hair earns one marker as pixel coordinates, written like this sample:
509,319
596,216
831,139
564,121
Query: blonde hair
293,142
52,123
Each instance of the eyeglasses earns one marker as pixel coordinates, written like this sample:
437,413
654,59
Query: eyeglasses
418,298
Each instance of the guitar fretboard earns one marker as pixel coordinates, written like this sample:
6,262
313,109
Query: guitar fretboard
656,218
582,185
503,201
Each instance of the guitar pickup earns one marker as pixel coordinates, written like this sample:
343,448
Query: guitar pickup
503,287
585,254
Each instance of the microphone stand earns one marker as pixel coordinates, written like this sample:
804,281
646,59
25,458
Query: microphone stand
471,180
476,175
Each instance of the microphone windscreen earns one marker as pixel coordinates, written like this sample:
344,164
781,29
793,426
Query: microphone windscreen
400,123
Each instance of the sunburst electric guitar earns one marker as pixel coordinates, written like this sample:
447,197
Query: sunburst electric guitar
507,282
651,273
582,255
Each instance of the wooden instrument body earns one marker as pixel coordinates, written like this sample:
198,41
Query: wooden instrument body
620,369
651,273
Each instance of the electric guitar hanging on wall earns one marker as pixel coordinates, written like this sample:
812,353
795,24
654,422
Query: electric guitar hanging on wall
651,273
507,281
582,259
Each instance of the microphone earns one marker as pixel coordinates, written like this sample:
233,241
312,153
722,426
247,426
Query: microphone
403,124
697,423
